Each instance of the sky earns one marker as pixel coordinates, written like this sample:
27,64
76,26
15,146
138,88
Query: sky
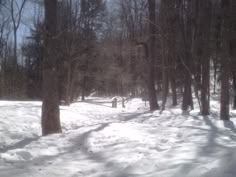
27,20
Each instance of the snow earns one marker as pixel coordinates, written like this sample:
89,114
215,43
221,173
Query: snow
100,141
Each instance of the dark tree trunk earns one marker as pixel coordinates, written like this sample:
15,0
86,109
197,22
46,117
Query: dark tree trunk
225,61
83,88
173,89
233,50
225,86
203,32
15,48
152,93
168,16
151,57
50,108
187,95
234,87
205,87
68,85
187,92
186,29
165,83
215,74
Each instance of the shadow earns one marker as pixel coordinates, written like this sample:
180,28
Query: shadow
98,103
19,145
212,135
210,148
230,125
82,139
79,144
132,116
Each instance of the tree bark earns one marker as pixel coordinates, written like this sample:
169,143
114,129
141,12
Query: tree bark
68,85
186,29
151,57
205,87
215,74
225,86
225,61
234,87
168,21
202,35
187,95
83,88
173,88
50,108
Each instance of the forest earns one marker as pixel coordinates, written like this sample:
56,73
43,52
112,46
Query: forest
179,56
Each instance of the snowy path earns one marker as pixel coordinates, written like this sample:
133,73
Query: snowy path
100,141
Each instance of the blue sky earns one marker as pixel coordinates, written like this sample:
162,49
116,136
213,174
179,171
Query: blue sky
27,20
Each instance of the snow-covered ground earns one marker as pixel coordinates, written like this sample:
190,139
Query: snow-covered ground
100,141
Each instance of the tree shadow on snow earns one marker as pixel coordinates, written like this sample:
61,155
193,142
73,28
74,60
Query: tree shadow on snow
140,117
78,151
19,145
98,103
211,149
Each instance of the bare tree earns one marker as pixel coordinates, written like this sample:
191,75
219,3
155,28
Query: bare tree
16,9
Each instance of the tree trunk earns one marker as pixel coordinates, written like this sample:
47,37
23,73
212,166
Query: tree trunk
203,32
186,58
225,61
233,50
173,89
165,82
83,88
50,108
15,48
234,87
151,57
205,86
187,95
215,74
68,85
168,16
225,86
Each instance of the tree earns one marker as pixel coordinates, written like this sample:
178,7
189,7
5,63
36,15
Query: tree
50,107
185,55
32,50
151,57
227,32
16,11
201,52
233,49
168,21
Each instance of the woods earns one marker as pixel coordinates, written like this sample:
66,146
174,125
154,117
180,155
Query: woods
118,88
146,48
